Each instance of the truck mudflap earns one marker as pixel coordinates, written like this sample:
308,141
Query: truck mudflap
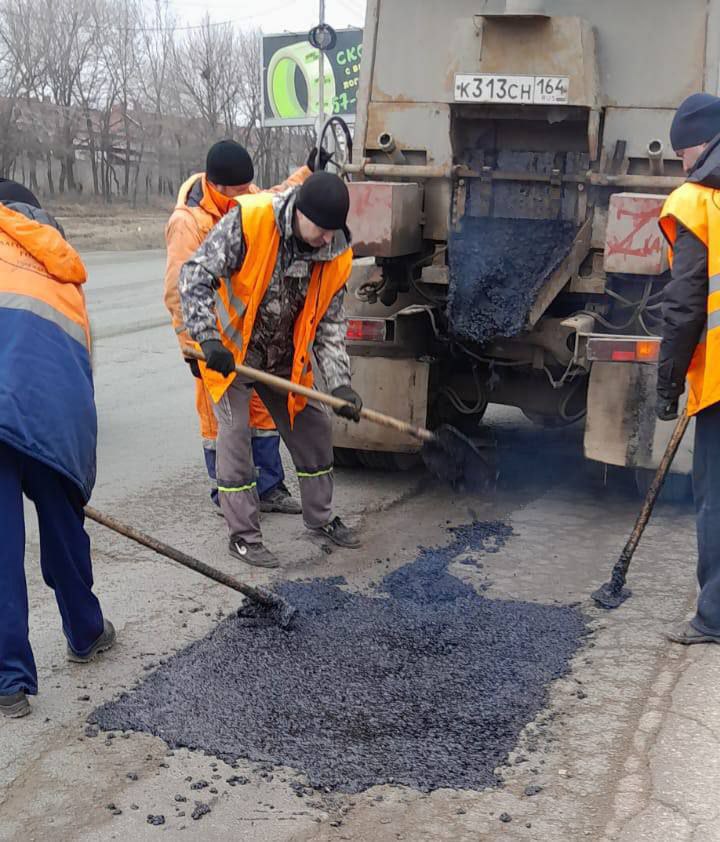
621,427
398,387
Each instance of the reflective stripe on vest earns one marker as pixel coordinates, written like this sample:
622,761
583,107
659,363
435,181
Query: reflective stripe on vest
697,208
240,304
15,301
42,274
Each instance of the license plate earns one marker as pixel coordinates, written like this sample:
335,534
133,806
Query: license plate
512,90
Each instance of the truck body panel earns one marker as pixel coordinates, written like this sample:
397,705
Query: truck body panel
521,112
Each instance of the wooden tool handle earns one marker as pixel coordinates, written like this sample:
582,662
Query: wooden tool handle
621,567
256,593
280,384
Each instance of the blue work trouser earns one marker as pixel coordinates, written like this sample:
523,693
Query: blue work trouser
266,457
64,561
706,488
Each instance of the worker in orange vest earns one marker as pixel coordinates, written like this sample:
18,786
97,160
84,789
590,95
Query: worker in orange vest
202,201
48,431
266,288
690,347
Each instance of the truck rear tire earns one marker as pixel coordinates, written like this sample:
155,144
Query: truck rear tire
345,457
378,460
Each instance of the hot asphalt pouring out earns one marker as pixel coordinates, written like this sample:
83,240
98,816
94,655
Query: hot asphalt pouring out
497,269
425,682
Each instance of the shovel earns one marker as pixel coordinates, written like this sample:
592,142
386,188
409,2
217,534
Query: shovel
273,606
447,453
614,593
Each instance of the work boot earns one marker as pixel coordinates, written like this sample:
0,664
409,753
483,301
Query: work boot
15,705
339,534
687,634
256,554
102,644
281,501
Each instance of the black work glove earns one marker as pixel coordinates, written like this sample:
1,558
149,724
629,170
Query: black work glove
667,408
194,367
346,393
312,162
217,356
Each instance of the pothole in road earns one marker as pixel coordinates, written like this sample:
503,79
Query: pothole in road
428,686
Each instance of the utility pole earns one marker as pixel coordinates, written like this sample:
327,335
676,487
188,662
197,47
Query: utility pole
321,80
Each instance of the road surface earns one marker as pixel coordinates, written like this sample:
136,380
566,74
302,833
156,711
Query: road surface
627,748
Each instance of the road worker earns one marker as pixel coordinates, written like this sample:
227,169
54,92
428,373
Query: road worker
266,289
48,431
691,337
203,199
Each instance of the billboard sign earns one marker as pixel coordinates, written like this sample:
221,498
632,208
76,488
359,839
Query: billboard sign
291,77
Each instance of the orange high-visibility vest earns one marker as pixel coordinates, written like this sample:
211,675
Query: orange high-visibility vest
237,304
698,208
187,228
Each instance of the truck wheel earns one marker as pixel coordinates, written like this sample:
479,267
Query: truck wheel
676,489
378,460
345,457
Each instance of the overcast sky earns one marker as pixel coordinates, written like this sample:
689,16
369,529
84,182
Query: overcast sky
274,15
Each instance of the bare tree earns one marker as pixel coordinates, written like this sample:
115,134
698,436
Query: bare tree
68,37
116,92
207,72
155,65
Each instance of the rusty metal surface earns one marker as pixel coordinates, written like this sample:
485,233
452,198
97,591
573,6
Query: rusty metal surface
386,379
415,126
385,218
634,244
563,274
560,46
367,71
637,127
620,421
636,69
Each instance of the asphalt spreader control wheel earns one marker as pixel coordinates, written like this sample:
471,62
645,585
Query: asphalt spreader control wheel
341,155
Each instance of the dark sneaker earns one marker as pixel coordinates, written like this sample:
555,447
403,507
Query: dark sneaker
15,705
687,634
339,534
256,554
281,501
102,644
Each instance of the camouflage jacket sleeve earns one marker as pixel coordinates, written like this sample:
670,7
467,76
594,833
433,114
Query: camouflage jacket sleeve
220,255
330,351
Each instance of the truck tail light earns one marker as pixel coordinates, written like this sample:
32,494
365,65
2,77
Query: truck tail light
623,349
367,330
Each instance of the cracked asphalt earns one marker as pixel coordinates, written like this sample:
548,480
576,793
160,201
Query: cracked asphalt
625,749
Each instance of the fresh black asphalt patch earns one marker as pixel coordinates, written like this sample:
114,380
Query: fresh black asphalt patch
497,269
425,683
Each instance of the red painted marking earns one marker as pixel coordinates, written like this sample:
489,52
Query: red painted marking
641,218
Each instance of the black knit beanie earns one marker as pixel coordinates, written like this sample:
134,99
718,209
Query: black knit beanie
696,121
324,199
11,191
229,164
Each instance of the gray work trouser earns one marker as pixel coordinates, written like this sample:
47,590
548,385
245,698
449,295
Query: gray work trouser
706,487
310,446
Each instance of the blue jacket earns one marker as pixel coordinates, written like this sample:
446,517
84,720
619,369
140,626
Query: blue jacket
47,402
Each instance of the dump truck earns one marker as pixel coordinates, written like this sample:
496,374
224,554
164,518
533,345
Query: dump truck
510,161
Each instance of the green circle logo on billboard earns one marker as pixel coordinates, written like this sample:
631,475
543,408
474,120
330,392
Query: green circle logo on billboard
291,71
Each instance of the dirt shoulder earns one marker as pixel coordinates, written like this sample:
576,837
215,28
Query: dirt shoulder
98,227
